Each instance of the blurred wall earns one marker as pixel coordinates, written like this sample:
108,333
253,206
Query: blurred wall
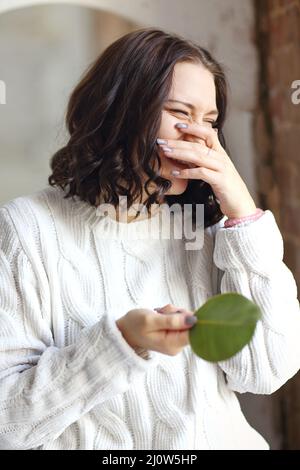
42,53
51,45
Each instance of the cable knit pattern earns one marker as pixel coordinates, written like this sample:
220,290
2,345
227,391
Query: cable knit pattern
68,378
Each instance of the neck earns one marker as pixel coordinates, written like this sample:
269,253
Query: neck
128,215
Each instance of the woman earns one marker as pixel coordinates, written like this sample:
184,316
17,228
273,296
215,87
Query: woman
86,360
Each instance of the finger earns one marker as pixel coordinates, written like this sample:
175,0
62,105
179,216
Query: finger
176,339
198,158
211,177
169,308
186,312
179,310
208,134
184,144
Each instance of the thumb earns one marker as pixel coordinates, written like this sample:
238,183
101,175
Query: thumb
177,321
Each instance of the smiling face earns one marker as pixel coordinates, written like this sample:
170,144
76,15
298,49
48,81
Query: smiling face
194,84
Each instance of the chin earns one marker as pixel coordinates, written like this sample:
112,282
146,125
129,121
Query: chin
178,186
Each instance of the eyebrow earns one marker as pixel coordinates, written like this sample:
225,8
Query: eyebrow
192,107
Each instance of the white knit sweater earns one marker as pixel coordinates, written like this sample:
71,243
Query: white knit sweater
68,378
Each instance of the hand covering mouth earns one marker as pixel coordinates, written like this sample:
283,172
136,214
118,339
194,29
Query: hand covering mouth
183,163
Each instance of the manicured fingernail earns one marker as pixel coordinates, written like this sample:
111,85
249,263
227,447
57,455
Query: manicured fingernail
167,149
161,141
181,125
190,320
157,308
175,172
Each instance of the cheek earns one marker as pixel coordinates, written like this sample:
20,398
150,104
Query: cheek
167,129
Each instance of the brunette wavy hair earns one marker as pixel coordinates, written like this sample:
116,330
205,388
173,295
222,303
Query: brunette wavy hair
115,111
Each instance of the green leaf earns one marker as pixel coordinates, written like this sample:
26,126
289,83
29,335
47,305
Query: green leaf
226,323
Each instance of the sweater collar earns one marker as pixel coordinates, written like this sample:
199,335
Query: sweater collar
153,227
160,226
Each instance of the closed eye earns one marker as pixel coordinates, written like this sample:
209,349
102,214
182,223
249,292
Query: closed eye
213,123
180,111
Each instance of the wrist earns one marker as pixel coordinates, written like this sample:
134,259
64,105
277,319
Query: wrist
250,210
120,326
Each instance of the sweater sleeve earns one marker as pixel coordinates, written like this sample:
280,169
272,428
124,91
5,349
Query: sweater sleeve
250,257
44,389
